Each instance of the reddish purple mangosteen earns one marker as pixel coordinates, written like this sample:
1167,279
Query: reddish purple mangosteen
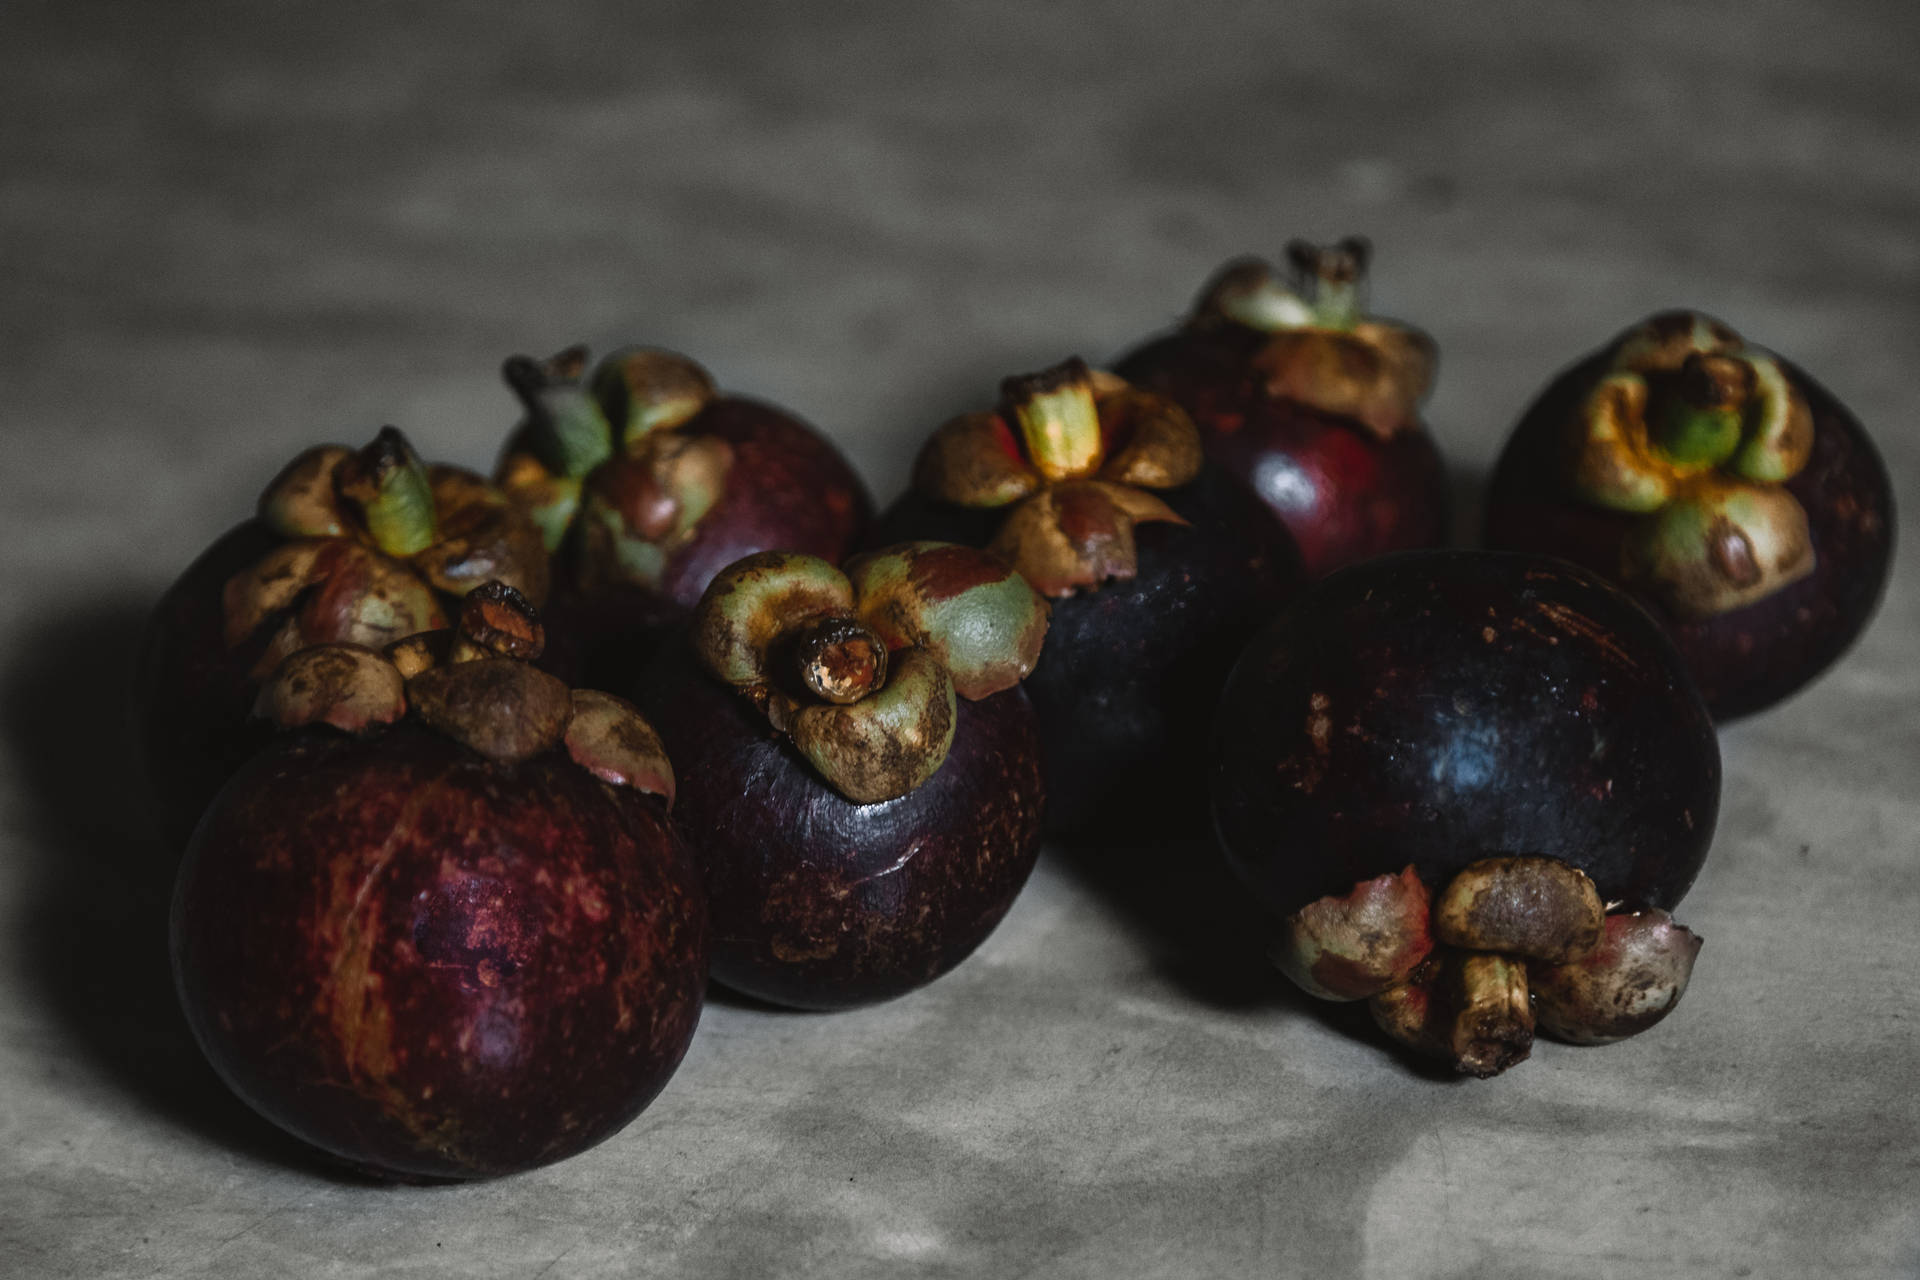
442,928
361,547
860,770
646,481
1469,786
1732,494
1311,401
1159,567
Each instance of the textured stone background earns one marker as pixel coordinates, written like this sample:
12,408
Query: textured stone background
229,230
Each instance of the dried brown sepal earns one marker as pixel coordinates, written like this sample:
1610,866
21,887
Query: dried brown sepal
883,746
1149,440
325,590
974,460
609,738
1470,1009
1374,374
347,686
1359,944
753,601
1663,342
1078,534
1538,907
1633,979
839,660
300,501
640,507
420,651
482,536
503,709
978,616
497,621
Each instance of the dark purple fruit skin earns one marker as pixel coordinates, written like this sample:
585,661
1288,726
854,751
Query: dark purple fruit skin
191,697
820,903
1749,658
1344,494
789,489
1438,707
540,940
1128,679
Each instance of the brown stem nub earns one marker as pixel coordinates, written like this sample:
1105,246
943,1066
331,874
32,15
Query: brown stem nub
839,660
496,621
1332,276
1470,1008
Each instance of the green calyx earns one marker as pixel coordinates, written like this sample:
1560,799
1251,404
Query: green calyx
889,742
565,427
387,487
977,616
1695,433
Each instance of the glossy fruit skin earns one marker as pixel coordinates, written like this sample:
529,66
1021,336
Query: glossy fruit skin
1439,707
1127,682
1344,494
1748,658
788,489
821,903
191,696
435,967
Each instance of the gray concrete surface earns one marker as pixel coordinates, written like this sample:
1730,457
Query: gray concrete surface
229,230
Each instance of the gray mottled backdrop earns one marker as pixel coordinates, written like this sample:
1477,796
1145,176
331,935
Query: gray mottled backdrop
229,230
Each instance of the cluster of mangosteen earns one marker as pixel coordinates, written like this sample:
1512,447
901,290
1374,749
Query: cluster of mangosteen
486,779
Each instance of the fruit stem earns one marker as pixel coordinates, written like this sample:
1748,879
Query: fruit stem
496,621
1332,278
386,485
1700,423
1055,413
568,430
840,660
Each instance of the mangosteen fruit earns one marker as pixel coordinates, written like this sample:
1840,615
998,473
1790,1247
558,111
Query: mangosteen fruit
859,769
1159,567
1301,394
1735,497
1469,786
646,481
442,927
359,547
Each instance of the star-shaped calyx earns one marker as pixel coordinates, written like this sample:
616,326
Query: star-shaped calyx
600,460
476,684
374,538
860,668
1693,432
1321,347
1072,454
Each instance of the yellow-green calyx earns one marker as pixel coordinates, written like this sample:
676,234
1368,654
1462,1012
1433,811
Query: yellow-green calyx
1694,432
475,684
373,539
598,458
1072,452
861,669
1322,348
